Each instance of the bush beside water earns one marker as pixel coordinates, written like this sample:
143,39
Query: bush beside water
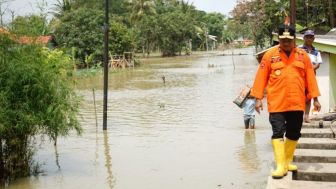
36,98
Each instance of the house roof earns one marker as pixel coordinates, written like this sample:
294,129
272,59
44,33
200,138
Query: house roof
27,39
4,31
39,40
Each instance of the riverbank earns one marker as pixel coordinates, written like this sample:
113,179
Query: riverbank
200,54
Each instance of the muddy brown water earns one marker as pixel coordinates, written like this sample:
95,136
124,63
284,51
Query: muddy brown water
184,134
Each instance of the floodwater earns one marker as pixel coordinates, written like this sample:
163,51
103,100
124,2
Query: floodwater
184,134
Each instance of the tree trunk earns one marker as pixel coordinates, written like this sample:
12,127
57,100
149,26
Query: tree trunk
16,157
331,14
2,168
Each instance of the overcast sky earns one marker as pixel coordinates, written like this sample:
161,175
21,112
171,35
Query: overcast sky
23,7
221,6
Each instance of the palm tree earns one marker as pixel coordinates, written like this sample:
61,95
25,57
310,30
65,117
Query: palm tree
141,8
62,6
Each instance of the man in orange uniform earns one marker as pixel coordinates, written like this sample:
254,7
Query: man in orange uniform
287,75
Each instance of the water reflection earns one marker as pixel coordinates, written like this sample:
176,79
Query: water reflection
247,154
177,132
57,157
108,161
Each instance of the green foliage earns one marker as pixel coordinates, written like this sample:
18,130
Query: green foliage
121,39
32,25
61,7
36,97
316,14
140,8
263,17
170,30
176,29
258,18
167,25
82,29
215,23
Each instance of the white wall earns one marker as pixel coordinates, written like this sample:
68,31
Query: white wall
323,83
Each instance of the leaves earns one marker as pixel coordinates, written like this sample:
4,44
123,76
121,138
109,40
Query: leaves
36,91
36,97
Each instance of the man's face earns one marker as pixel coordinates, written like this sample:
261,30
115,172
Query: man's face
309,39
286,44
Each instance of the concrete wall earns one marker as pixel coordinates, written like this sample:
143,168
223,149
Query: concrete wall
332,85
323,81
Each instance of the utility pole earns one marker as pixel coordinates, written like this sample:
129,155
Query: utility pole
106,39
293,12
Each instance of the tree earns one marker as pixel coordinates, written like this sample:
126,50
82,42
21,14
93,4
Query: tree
32,25
141,8
82,29
36,98
215,24
331,13
261,17
61,7
176,29
121,39
148,33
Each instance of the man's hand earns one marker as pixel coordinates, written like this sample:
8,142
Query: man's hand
259,106
316,66
317,105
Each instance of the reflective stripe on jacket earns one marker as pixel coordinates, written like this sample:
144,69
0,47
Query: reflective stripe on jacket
287,80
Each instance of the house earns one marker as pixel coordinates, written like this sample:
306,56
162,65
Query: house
47,41
244,42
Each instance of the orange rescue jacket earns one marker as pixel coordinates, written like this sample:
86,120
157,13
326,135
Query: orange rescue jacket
287,80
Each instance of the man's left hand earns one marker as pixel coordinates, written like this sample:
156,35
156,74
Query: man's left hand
317,105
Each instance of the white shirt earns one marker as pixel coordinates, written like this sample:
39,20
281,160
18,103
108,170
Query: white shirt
314,55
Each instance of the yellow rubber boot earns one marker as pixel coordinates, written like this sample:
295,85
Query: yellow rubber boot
279,156
290,146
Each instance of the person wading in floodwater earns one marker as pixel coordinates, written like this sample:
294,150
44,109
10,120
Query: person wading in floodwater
286,73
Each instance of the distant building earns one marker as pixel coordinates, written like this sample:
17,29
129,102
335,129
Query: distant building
47,41
244,42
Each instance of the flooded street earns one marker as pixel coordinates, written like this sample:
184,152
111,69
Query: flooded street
184,134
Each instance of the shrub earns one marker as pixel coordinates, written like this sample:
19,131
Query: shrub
36,98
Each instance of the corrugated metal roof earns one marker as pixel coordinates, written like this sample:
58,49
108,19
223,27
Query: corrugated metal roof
325,39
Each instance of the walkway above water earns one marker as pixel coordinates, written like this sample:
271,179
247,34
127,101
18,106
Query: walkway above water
288,183
315,157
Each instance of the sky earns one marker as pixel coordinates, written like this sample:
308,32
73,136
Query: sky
23,7
221,6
